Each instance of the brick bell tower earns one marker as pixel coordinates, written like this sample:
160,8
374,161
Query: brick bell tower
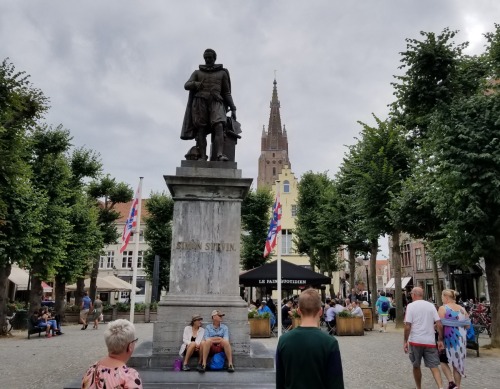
274,146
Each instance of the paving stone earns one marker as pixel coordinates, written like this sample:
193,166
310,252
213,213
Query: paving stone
375,360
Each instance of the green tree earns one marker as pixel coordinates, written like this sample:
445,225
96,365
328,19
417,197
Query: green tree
107,193
21,106
255,223
51,176
158,234
317,233
466,176
454,190
378,166
85,239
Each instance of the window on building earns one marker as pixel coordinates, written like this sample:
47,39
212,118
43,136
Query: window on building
294,210
141,283
274,171
127,259
107,261
286,186
140,260
418,259
405,254
286,242
428,260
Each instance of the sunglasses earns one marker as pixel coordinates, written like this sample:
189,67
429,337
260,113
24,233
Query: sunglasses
135,340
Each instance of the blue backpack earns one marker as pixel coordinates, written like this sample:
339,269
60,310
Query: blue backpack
385,306
217,362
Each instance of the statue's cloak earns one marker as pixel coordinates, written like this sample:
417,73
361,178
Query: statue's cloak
188,130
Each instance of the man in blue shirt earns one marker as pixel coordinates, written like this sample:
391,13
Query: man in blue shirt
85,308
216,340
263,309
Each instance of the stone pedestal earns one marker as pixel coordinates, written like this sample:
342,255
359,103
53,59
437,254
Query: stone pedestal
205,257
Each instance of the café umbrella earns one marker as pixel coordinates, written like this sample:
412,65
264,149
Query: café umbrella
292,276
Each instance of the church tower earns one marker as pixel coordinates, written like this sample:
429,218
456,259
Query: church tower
274,146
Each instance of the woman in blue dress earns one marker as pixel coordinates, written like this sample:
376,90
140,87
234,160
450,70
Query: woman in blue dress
455,322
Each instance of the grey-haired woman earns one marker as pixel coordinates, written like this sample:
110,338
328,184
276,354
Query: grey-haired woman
112,371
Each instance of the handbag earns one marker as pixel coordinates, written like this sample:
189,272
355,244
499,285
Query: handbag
101,317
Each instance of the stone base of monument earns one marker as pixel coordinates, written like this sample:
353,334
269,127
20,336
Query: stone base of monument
258,357
174,310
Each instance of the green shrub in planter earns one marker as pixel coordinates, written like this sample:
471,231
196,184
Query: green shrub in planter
153,307
122,307
72,308
345,314
256,315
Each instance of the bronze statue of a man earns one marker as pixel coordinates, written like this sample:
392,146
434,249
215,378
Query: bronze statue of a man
209,100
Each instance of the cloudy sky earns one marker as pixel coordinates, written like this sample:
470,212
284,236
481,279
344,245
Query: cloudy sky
114,70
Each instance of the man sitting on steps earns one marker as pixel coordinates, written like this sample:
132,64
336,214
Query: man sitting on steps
216,340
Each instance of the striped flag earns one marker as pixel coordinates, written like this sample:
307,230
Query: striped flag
131,222
274,227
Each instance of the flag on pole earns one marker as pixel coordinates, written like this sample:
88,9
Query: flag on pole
131,222
274,227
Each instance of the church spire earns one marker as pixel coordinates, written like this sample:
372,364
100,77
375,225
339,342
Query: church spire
274,144
274,131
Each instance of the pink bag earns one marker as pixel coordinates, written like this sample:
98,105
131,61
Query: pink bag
177,365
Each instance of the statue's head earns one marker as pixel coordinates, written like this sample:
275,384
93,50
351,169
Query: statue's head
210,55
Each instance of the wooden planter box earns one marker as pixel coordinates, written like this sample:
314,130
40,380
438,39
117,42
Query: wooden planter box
260,328
350,326
367,312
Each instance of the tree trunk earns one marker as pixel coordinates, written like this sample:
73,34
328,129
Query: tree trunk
93,280
80,288
4,281
352,268
492,268
373,274
36,294
437,285
60,292
396,261
332,290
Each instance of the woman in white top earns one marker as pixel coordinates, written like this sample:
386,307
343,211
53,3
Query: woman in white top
191,340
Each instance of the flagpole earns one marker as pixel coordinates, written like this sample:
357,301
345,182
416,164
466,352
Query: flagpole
278,263
136,252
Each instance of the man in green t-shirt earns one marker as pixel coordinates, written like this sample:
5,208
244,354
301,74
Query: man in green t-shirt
307,357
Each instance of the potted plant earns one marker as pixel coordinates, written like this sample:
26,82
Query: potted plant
347,324
260,324
295,319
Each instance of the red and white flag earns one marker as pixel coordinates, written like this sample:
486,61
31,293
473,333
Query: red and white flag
131,222
274,227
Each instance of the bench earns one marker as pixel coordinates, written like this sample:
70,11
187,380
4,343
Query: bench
474,344
33,328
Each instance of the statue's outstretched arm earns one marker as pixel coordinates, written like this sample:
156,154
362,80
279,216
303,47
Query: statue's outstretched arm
193,84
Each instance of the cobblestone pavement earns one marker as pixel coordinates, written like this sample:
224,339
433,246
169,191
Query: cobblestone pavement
375,360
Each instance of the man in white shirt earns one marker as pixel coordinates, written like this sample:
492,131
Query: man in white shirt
356,310
338,308
419,339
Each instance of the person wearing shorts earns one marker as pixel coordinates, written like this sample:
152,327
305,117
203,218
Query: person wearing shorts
85,308
419,340
216,340
382,316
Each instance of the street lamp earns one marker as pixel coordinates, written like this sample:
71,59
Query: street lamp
365,261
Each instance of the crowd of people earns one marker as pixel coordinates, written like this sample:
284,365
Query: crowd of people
306,356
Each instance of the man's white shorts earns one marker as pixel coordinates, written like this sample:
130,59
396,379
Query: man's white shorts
382,319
